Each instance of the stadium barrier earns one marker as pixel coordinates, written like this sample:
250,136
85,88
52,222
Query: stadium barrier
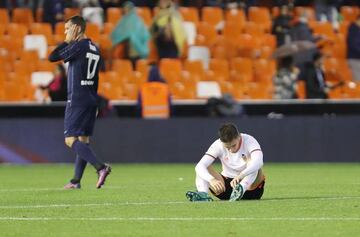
283,139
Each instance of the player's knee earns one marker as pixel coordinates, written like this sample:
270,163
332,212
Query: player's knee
69,141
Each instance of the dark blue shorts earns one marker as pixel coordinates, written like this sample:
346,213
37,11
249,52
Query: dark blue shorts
79,121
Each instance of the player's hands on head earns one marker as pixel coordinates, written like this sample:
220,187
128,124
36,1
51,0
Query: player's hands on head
73,34
217,186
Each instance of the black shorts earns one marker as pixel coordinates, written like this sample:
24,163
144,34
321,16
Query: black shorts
79,121
248,195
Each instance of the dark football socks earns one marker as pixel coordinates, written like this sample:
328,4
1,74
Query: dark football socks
85,153
80,166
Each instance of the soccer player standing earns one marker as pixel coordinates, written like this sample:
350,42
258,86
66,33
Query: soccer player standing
241,178
81,107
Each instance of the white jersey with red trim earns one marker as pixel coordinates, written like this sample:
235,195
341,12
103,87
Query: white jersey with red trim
234,163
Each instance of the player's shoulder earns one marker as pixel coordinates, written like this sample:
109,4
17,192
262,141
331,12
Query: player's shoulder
247,137
89,45
217,142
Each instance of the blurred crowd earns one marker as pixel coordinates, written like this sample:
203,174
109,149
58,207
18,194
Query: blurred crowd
169,33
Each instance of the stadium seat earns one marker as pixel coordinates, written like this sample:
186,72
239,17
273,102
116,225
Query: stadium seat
17,30
212,15
220,67
224,47
190,31
23,16
4,16
170,69
124,68
249,46
2,29
43,29
108,28
344,27
241,70
13,91
131,91
235,16
13,45
145,14
254,29
59,35
105,46
323,29
300,89
350,13
195,68
69,12
232,30
37,43
190,14
260,16
201,53
309,11
45,65
206,34
142,66
264,70
93,32
113,14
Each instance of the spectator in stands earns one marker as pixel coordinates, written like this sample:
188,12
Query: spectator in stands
301,31
53,11
353,48
285,79
132,31
281,26
154,99
326,10
316,87
167,31
57,88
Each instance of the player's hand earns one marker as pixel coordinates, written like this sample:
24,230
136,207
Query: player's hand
217,186
235,181
72,34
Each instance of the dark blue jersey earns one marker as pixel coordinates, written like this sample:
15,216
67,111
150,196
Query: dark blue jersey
83,71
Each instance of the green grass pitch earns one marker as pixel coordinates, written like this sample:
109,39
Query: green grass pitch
149,200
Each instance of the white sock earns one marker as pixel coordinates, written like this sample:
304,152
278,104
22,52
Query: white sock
247,181
201,184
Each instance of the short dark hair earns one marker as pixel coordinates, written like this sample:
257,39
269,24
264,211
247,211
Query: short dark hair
79,21
228,132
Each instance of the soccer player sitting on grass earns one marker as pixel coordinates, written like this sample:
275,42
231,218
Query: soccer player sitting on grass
241,178
81,107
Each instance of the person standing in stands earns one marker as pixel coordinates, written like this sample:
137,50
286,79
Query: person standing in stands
53,11
132,31
154,98
281,26
83,57
316,87
353,48
167,31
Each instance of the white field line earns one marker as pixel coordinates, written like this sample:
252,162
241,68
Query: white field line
179,218
158,203
92,205
5,190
